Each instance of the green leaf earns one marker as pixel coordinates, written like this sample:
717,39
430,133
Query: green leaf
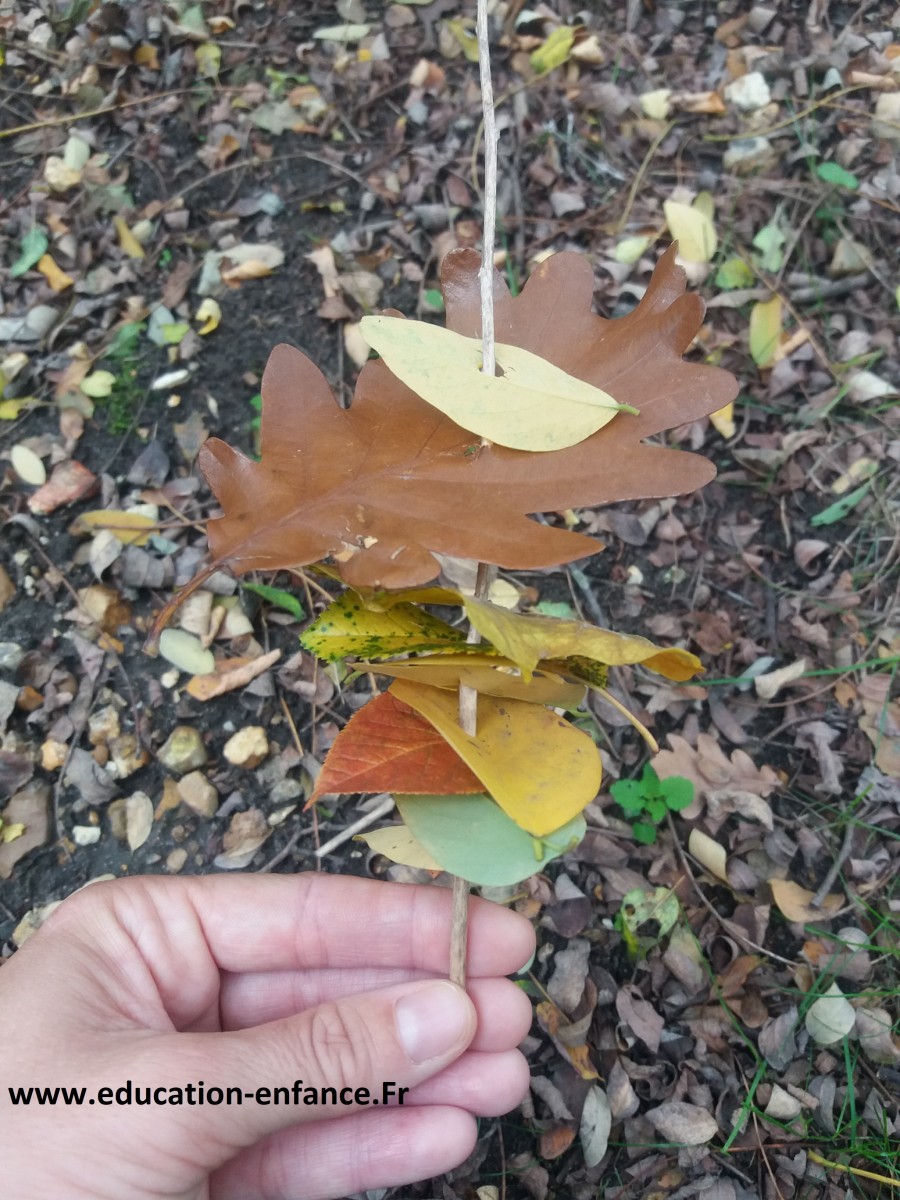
471,837
629,795
832,172
840,508
347,628
734,273
533,405
650,782
644,833
677,792
277,596
174,333
431,297
656,809
34,247
660,905
769,242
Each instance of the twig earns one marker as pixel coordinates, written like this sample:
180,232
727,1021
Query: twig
486,275
834,870
386,806
468,697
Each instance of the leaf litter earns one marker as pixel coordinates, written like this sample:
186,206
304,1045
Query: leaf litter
788,558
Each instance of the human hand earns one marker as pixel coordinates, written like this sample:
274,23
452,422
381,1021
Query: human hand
252,982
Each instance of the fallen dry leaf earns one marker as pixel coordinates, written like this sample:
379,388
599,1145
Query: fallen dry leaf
794,902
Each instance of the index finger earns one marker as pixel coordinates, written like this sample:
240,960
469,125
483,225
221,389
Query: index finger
294,922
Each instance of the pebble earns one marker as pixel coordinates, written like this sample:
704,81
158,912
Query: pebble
198,794
248,747
749,92
183,750
176,860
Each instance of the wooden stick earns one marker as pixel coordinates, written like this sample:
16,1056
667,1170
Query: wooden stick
468,697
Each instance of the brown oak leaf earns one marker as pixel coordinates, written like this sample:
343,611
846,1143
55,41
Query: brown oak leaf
383,485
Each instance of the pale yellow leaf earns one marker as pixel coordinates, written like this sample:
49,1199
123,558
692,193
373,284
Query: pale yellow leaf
398,844
830,1018
53,273
795,902
210,314
129,243
209,59
98,384
131,528
657,104
532,406
630,249
709,853
765,331
693,230
28,466
539,768
526,640
486,675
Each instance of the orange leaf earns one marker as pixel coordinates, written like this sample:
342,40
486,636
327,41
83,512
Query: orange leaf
387,747
384,484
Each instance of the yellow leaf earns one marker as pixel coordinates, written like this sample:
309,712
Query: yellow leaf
210,313
129,243
398,844
527,639
709,853
53,273
693,230
10,409
765,331
794,902
145,56
486,675
98,384
9,833
555,50
658,104
462,31
532,406
723,420
209,59
541,770
131,529
347,628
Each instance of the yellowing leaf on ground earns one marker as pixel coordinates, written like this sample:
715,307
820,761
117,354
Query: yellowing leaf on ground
98,384
529,639
795,902
209,59
693,229
131,528
53,273
129,243
210,314
28,465
532,406
765,331
347,628
487,676
709,853
555,50
723,420
517,752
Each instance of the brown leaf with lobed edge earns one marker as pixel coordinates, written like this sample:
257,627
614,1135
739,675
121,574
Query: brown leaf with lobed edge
382,485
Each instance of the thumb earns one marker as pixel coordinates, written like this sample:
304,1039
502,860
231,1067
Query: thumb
355,1053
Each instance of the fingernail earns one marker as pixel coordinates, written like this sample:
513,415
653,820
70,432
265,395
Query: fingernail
431,1021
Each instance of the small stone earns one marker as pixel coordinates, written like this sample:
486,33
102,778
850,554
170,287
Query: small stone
176,860
103,725
85,835
11,654
128,755
248,747
849,258
198,794
749,92
748,154
183,750
53,754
